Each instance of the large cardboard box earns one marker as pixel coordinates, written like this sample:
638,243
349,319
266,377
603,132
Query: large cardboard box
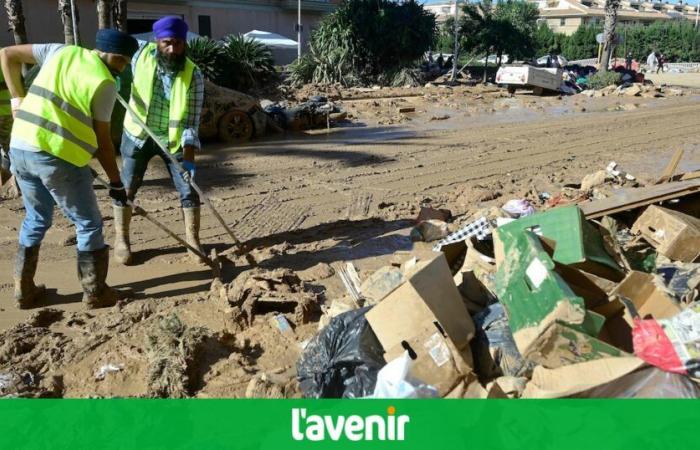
673,234
577,243
426,317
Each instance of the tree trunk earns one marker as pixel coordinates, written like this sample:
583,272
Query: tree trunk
119,14
486,64
611,7
64,9
15,20
104,13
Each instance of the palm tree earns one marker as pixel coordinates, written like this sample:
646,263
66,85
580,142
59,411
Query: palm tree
611,7
119,15
15,19
70,30
104,13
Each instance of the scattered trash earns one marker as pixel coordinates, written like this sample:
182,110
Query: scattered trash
108,368
519,208
429,231
670,344
381,283
613,170
480,228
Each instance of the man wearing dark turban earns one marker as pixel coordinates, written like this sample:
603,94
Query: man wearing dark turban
167,95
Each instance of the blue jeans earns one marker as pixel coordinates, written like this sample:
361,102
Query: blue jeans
46,181
135,162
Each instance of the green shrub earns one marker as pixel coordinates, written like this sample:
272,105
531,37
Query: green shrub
364,41
248,63
600,80
208,55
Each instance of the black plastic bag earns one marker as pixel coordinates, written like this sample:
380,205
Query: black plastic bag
341,361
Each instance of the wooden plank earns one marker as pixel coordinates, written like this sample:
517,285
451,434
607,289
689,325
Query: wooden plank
671,167
690,175
624,200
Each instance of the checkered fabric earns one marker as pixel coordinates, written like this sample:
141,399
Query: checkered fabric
481,228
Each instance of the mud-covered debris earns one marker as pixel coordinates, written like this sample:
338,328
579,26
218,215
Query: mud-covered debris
320,271
259,292
45,317
173,350
260,386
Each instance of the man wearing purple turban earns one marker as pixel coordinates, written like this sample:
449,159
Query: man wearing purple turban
167,94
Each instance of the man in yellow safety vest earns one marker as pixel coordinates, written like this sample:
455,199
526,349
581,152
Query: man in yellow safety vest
61,123
167,95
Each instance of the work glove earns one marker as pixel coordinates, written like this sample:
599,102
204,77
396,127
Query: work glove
118,193
190,168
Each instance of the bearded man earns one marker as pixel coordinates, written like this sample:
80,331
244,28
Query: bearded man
167,95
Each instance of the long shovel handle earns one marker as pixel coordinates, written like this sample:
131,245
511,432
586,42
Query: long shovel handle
186,176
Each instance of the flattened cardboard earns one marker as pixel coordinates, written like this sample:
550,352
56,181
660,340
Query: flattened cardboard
569,380
673,234
649,299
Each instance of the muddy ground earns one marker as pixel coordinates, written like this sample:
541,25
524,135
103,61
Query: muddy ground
307,202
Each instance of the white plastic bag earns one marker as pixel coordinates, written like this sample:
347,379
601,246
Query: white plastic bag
393,381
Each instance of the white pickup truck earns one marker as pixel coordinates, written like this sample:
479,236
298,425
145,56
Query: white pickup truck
539,79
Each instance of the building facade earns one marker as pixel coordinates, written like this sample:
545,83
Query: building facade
565,16
213,18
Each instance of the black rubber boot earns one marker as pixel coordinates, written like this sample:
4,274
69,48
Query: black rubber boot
92,271
26,292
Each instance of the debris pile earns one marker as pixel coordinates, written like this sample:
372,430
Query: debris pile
592,296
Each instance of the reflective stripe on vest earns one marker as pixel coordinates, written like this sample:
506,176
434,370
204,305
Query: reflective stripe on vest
142,94
56,114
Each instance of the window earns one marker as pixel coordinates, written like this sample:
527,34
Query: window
562,22
204,25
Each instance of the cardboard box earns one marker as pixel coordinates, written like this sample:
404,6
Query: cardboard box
577,242
647,296
673,234
426,317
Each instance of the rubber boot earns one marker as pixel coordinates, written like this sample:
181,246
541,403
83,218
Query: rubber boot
26,292
92,271
122,245
192,220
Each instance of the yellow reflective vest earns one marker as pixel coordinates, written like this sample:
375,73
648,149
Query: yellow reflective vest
142,93
5,108
56,114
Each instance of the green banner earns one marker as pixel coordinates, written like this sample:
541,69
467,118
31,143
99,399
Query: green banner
335,424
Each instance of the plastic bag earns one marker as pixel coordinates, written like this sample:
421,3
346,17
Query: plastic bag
494,349
519,208
393,381
341,361
648,382
670,344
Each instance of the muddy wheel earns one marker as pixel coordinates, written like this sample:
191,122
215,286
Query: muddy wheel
538,90
235,127
511,90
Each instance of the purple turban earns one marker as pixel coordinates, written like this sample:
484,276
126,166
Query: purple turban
170,27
